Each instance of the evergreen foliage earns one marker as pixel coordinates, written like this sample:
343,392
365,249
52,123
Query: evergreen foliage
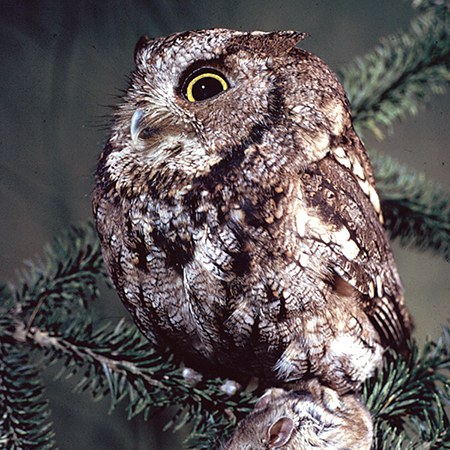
400,74
24,413
408,396
50,315
416,210
387,84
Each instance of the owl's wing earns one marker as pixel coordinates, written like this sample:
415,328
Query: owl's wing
345,200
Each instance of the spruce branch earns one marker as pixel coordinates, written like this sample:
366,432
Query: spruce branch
24,413
415,209
63,281
408,396
401,73
53,313
120,363
116,361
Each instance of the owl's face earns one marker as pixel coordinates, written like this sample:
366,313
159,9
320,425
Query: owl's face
201,97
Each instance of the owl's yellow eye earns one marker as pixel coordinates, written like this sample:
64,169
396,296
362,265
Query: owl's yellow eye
203,84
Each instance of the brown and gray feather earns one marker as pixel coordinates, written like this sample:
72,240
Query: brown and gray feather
244,229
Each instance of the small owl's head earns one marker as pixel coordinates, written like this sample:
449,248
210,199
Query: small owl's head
198,97
213,84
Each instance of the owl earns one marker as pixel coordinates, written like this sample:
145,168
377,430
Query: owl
238,216
308,418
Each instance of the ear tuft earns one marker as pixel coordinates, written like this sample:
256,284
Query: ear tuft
269,43
143,43
279,41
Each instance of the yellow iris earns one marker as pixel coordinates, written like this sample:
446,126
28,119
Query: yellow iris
206,78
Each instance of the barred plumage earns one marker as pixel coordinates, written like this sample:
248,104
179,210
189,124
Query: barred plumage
238,214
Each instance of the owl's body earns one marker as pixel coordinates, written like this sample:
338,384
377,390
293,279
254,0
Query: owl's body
243,229
307,418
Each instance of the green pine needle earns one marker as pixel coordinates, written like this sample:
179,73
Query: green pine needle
50,316
400,74
63,281
24,413
407,398
415,209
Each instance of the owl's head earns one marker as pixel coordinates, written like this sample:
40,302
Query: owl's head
199,97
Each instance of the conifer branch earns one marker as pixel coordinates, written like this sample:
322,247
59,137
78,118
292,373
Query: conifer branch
415,209
408,396
24,413
51,316
63,282
401,73
120,363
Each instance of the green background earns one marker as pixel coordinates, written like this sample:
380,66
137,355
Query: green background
63,64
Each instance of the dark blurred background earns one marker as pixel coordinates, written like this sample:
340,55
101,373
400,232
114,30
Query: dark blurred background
64,63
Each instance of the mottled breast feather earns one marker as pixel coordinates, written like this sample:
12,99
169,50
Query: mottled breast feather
238,213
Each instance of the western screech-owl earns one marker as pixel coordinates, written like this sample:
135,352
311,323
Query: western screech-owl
238,215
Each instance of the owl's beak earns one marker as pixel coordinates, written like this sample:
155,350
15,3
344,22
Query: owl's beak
139,129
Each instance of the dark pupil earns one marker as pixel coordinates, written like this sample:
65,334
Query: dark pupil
205,88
